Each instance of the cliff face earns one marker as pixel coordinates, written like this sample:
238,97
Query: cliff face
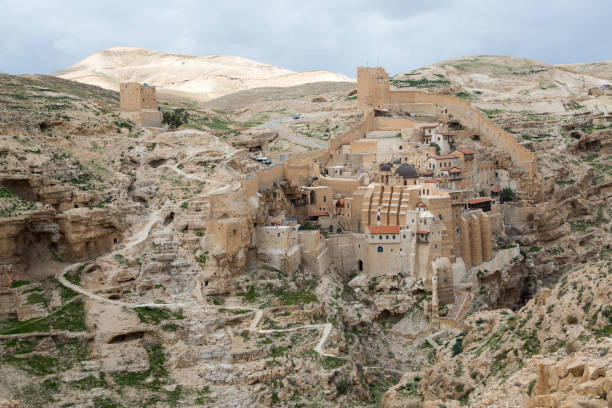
553,351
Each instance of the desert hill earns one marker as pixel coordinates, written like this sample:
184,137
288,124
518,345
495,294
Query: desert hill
202,78
601,69
509,83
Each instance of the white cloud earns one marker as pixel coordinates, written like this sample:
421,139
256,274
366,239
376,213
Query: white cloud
42,36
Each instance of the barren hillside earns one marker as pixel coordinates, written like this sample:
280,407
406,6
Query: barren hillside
601,69
105,229
202,78
509,84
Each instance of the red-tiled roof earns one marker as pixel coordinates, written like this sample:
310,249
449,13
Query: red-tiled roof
426,173
346,143
423,232
420,204
478,200
429,125
496,190
340,203
381,110
455,170
431,181
317,214
384,229
276,222
465,150
445,156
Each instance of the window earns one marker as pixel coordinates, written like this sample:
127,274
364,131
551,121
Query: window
440,216
372,236
393,237
278,235
324,199
387,237
404,236
380,237
435,245
348,205
379,249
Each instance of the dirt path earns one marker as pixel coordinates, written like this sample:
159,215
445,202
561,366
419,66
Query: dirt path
142,235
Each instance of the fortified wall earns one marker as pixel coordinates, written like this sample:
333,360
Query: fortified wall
373,92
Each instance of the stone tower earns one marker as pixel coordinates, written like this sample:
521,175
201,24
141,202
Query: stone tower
139,104
372,87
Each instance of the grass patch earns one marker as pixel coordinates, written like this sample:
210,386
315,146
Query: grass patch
420,83
70,317
149,315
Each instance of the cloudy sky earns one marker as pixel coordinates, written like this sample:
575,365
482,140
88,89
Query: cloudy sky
44,36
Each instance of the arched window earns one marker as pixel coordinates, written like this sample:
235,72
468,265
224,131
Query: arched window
324,199
380,237
380,249
440,216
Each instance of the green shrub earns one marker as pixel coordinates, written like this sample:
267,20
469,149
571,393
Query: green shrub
19,283
458,346
507,194
175,118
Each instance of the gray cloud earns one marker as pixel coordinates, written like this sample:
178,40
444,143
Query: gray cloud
46,36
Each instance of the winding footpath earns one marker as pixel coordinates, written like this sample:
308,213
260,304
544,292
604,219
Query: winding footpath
143,234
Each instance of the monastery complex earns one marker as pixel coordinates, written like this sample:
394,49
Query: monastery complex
403,192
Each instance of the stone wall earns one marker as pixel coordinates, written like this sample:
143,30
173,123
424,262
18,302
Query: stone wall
373,91
393,123
347,252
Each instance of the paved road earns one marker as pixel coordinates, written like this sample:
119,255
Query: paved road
292,136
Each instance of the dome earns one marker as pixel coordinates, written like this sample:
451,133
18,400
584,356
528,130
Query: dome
406,171
385,167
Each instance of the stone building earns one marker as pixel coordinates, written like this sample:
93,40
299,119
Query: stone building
381,200
278,245
138,103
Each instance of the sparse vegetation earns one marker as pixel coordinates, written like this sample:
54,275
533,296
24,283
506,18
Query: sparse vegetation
175,118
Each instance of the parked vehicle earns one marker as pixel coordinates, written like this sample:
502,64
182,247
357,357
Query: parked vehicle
263,160
296,116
